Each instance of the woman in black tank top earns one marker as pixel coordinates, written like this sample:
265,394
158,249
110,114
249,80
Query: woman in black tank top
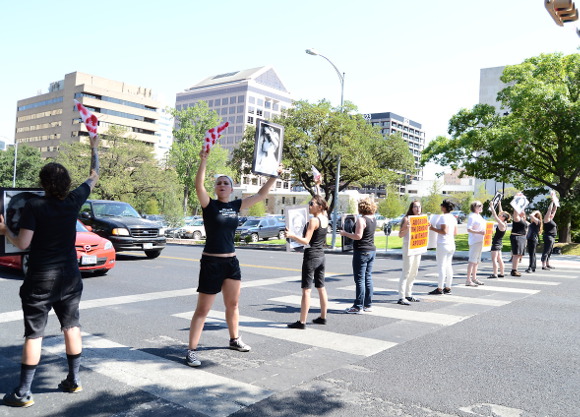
550,232
313,263
497,242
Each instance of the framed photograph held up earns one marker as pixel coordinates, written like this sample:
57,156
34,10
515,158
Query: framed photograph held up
267,148
296,220
12,201
348,225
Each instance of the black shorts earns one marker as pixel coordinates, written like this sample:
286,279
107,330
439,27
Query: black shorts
519,244
313,270
496,246
60,289
214,270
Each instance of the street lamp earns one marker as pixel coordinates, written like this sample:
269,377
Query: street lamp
312,51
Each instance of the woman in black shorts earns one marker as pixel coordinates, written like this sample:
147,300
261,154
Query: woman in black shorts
313,262
219,267
550,233
518,240
497,241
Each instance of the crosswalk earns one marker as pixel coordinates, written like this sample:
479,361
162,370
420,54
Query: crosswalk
225,394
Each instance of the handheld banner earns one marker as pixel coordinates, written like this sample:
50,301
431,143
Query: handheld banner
520,202
12,201
418,234
89,119
212,135
555,198
348,225
488,236
296,220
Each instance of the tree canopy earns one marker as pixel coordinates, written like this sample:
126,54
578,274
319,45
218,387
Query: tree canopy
535,143
28,165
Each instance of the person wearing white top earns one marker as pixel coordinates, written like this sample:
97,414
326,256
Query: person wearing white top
476,233
446,228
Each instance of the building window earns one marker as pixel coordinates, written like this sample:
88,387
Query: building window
261,102
259,113
224,111
268,104
251,109
239,119
275,107
224,101
252,100
283,199
241,99
240,109
250,120
267,114
232,110
210,103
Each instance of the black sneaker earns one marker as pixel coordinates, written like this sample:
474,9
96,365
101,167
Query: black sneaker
318,320
436,291
239,345
446,290
70,386
412,299
492,276
297,325
404,302
191,358
13,400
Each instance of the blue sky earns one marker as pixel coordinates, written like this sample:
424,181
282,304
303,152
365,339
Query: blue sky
420,59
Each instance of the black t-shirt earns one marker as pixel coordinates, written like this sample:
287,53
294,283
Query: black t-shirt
53,222
550,228
367,241
220,221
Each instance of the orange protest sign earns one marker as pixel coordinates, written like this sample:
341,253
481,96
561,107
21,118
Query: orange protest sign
418,234
488,236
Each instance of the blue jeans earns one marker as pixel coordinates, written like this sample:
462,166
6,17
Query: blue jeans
362,267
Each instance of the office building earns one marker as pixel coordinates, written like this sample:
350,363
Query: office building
48,120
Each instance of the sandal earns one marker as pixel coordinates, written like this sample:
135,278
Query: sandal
478,282
470,284
492,276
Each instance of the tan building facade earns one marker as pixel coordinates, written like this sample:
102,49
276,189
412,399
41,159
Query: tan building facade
48,120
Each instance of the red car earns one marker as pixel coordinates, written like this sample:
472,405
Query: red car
94,253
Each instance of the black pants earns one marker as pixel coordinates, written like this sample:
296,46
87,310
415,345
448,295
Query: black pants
548,246
532,245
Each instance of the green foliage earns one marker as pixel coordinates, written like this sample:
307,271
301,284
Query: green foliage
28,165
432,203
394,204
258,209
151,207
532,144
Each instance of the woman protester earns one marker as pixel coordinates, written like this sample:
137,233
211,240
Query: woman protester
363,256
313,263
219,266
550,233
533,237
410,262
446,229
497,241
518,240
476,233
53,280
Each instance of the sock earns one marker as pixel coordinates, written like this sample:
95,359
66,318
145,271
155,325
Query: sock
26,376
74,364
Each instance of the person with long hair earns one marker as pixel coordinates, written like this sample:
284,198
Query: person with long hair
550,233
518,240
502,220
534,231
219,266
410,262
446,229
313,262
476,233
363,255
53,279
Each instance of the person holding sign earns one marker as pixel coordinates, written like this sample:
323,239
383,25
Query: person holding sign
497,242
518,238
363,255
533,237
446,229
219,266
410,261
550,233
476,233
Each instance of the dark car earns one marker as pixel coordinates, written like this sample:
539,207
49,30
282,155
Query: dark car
262,229
459,216
123,226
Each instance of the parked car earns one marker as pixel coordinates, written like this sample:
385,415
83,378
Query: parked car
459,216
396,221
262,229
381,220
94,253
194,230
123,226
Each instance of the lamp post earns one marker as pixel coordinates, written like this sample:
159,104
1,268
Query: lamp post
15,158
312,51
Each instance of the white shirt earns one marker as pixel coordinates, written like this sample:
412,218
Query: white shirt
448,239
477,223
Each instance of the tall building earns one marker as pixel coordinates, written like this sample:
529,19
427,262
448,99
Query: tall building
239,97
412,133
47,120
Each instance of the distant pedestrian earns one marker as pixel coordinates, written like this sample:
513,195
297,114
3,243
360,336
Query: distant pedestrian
550,233
497,242
363,255
313,263
219,266
410,262
476,233
53,280
533,236
446,229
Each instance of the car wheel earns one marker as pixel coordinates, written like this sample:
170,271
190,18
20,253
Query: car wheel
255,237
24,261
196,235
152,254
281,235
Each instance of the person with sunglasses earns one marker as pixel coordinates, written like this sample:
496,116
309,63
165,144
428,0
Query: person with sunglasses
313,263
475,235
219,266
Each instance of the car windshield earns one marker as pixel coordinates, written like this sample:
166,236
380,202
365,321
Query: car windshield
251,223
116,209
81,227
197,223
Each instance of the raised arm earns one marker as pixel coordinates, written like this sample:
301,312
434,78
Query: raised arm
202,194
95,165
550,213
262,193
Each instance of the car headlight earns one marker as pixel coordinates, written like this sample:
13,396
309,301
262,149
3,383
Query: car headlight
108,245
162,231
121,231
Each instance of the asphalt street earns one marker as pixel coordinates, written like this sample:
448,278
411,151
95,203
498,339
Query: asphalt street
509,348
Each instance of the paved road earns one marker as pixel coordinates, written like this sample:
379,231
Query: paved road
507,349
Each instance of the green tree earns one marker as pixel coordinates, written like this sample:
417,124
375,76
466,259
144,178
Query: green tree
257,210
191,125
28,165
535,143
393,204
432,202
316,134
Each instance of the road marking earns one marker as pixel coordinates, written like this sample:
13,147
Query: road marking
354,345
393,313
450,298
195,389
523,280
487,287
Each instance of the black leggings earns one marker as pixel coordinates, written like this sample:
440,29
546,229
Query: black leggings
532,245
548,246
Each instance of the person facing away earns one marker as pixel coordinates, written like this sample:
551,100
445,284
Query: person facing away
446,229
53,280
533,237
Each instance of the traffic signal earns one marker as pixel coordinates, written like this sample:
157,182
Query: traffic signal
562,11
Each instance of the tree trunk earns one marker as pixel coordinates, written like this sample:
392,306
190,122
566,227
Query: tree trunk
185,199
564,225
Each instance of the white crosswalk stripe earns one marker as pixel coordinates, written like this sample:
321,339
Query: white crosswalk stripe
485,287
